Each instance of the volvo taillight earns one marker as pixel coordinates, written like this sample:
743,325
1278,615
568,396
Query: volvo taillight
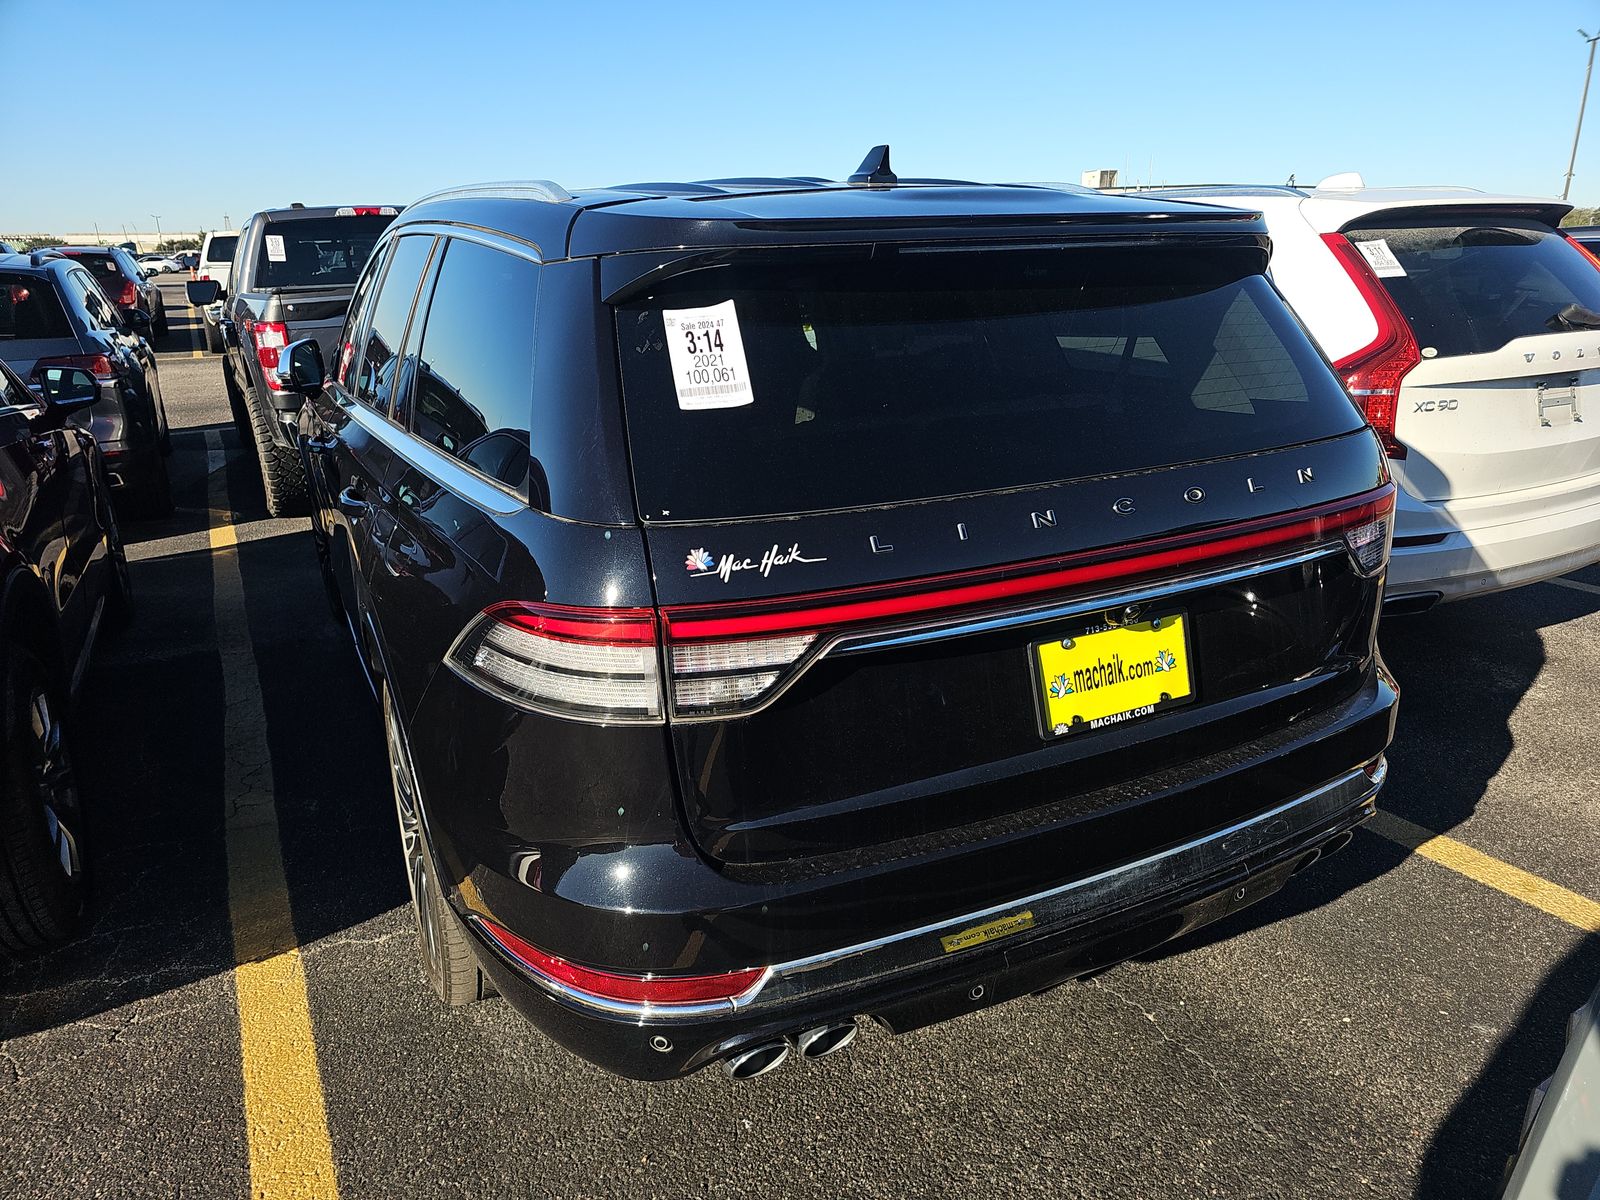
1373,373
590,664
269,337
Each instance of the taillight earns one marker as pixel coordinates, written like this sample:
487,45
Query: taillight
1368,538
598,665
269,338
98,365
207,277
653,991
1583,250
1373,373
128,297
605,665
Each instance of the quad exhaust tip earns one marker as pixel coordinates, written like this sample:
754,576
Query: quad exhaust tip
769,1056
757,1060
825,1039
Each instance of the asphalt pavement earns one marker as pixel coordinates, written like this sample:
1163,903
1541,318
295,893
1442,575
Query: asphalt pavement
1373,1030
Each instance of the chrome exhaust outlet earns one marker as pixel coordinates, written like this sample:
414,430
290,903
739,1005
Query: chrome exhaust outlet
757,1060
825,1039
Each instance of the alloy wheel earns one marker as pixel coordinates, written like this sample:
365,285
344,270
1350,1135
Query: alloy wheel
419,873
53,779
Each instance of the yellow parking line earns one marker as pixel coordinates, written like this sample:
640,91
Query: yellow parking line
1578,911
286,1121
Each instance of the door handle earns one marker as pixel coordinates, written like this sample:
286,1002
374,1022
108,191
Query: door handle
353,500
321,445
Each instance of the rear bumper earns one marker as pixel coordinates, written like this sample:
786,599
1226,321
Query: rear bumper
906,975
1473,550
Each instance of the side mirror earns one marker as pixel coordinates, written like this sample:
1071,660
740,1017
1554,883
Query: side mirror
138,320
202,292
65,390
300,368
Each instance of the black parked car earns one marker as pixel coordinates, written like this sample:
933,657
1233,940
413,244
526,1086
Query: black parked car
796,601
292,277
121,278
63,577
54,314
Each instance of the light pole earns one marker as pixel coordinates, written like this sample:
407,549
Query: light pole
1582,104
158,228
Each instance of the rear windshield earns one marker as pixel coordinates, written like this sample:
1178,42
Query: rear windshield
316,251
221,247
939,374
108,273
1472,286
30,308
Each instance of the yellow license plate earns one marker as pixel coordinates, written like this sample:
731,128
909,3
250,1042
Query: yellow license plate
1108,675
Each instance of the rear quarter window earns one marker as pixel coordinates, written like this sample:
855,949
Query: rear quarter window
30,309
915,376
1470,286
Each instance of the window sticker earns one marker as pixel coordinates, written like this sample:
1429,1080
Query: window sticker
275,251
706,350
1380,258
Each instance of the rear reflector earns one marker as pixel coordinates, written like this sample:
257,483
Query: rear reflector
595,665
655,991
1373,373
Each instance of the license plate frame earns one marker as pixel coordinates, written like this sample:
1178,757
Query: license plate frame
1094,637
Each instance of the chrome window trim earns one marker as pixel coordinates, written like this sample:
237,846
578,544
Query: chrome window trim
436,464
950,626
1055,909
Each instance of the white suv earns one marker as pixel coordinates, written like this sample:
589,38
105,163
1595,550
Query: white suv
1468,328
216,262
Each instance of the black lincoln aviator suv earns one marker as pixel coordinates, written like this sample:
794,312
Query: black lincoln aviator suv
793,602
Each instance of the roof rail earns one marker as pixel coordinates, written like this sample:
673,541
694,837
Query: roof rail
509,189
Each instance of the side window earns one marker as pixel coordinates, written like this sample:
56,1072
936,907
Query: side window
474,396
90,299
380,353
356,319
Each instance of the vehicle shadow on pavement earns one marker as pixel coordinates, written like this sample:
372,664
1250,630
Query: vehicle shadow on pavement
151,766
1468,1155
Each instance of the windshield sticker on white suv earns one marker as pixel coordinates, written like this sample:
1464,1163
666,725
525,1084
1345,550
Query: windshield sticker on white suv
1380,258
275,250
706,351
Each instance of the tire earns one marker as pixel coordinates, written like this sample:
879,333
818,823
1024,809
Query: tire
236,408
119,592
159,326
448,962
213,336
283,474
41,868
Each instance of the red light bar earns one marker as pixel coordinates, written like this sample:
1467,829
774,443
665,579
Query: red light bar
630,626
969,589
654,990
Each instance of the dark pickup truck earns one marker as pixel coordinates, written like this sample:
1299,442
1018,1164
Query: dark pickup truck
294,272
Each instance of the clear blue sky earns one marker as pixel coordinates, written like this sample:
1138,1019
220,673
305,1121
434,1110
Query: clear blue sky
220,119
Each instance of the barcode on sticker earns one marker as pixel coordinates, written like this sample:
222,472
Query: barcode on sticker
714,389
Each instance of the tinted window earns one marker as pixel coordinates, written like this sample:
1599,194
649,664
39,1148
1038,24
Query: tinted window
474,396
380,356
1472,286
107,273
934,374
316,251
221,247
30,308
355,319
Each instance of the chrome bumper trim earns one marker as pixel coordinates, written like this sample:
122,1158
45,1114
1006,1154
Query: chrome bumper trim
1054,910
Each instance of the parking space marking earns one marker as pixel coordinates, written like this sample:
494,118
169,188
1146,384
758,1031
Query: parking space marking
285,1116
1576,585
1576,910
